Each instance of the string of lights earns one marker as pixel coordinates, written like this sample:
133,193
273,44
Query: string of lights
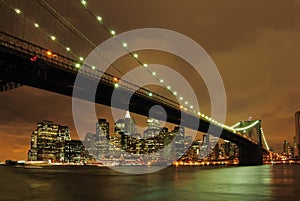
78,65
184,104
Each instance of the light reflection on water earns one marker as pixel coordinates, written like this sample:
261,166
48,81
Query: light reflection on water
182,183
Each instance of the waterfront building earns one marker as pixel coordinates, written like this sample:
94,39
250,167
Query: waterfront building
47,142
179,141
124,129
74,151
89,144
193,152
288,150
102,138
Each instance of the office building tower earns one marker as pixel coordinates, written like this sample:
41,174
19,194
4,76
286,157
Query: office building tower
179,141
130,127
102,139
47,142
74,151
102,128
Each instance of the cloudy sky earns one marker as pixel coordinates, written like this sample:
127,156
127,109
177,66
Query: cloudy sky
254,44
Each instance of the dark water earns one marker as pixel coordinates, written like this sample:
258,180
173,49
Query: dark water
183,183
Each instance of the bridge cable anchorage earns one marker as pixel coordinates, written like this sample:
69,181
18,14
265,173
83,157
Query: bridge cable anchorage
124,45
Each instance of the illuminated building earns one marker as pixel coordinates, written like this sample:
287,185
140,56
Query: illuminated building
124,128
287,149
179,141
194,150
89,144
297,125
102,128
47,142
130,127
102,139
74,151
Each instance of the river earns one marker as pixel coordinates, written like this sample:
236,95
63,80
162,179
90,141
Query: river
279,182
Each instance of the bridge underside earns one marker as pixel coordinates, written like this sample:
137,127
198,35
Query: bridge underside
16,67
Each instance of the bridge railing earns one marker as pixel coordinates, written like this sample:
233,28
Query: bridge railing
32,51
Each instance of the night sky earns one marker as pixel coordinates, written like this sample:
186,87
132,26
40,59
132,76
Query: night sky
254,44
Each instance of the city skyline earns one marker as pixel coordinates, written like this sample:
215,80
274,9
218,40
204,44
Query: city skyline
260,80
52,143
117,129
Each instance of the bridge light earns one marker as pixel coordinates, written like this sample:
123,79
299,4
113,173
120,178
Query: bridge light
68,49
83,2
113,32
18,11
93,67
33,59
53,38
175,93
36,25
81,58
154,73
150,94
145,65
161,81
116,79
124,44
135,56
191,106
181,98
77,65
116,85
49,53
169,87
186,102
181,106
99,18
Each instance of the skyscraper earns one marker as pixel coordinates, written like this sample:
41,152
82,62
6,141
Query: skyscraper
47,142
102,128
297,125
130,127
153,128
286,147
102,139
179,141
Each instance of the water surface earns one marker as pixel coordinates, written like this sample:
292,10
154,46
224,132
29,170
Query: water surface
181,183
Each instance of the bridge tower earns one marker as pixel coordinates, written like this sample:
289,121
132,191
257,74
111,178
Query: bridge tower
250,154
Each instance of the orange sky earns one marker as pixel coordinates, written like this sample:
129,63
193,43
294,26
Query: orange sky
254,44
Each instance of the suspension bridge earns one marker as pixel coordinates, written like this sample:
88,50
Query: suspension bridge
23,62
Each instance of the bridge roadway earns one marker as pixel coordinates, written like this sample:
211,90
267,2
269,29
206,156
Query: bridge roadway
57,74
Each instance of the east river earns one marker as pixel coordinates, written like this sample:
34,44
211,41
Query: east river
279,182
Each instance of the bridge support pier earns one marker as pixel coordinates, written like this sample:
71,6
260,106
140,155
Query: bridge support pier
250,155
